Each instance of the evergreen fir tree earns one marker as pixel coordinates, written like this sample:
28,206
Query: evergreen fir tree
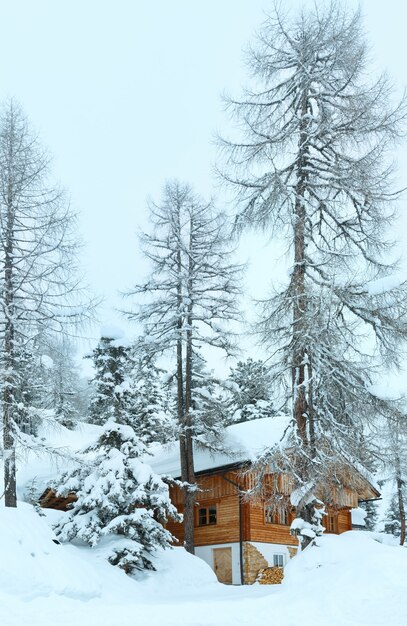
111,362
209,404
250,391
65,383
153,419
371,514
29,390
118,495
392,523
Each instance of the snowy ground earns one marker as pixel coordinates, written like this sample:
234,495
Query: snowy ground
350,580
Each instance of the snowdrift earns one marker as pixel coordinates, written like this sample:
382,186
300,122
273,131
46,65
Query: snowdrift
353,579
33,565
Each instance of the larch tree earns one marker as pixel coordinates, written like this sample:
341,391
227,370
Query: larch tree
190,298
64,381
393,438
311,165
38,279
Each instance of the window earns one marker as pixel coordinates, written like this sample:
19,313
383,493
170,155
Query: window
331,525
268,515
278,560
284,518
272,517
207,515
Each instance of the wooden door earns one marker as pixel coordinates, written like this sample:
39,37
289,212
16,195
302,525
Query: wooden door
222,564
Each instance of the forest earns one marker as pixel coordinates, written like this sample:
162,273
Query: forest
305,158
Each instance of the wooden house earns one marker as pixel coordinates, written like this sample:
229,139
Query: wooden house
235,535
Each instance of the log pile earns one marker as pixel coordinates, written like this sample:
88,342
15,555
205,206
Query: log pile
270,576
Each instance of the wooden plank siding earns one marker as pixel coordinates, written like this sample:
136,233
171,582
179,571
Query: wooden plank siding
264,532
222,489
226,529
214,489
50,500
344,521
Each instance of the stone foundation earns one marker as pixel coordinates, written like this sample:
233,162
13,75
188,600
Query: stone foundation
292,551
254,561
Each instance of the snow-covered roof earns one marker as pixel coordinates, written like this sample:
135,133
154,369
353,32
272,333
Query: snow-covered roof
241,442
62,443
358,517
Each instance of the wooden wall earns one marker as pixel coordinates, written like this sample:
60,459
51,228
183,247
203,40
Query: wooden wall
215,489
344,521
268,533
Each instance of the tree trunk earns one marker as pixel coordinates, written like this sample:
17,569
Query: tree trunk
301,372
185,438
298,369
189,514
10,495
306,513
400,500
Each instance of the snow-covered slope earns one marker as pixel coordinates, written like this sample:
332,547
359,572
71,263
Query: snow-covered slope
349,580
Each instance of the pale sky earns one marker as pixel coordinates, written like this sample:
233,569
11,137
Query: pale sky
127,94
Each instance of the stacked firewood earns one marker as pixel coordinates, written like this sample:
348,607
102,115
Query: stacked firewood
270,576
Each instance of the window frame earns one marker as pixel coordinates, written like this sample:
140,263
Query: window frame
277,557
206,507
280,519
332,523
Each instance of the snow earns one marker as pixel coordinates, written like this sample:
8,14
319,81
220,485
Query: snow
47,362
241,442
354,579
62,443
303,493
116,335
358,516
33,565
110,331
383,285
384,392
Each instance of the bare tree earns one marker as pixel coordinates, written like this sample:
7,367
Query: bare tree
192,291
312,165
38,280
393,437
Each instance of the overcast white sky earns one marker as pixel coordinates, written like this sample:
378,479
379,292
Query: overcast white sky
126,94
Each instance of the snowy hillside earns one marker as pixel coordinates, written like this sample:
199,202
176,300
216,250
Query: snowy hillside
349,580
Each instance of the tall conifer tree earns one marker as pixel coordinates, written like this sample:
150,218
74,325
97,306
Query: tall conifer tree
312,165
